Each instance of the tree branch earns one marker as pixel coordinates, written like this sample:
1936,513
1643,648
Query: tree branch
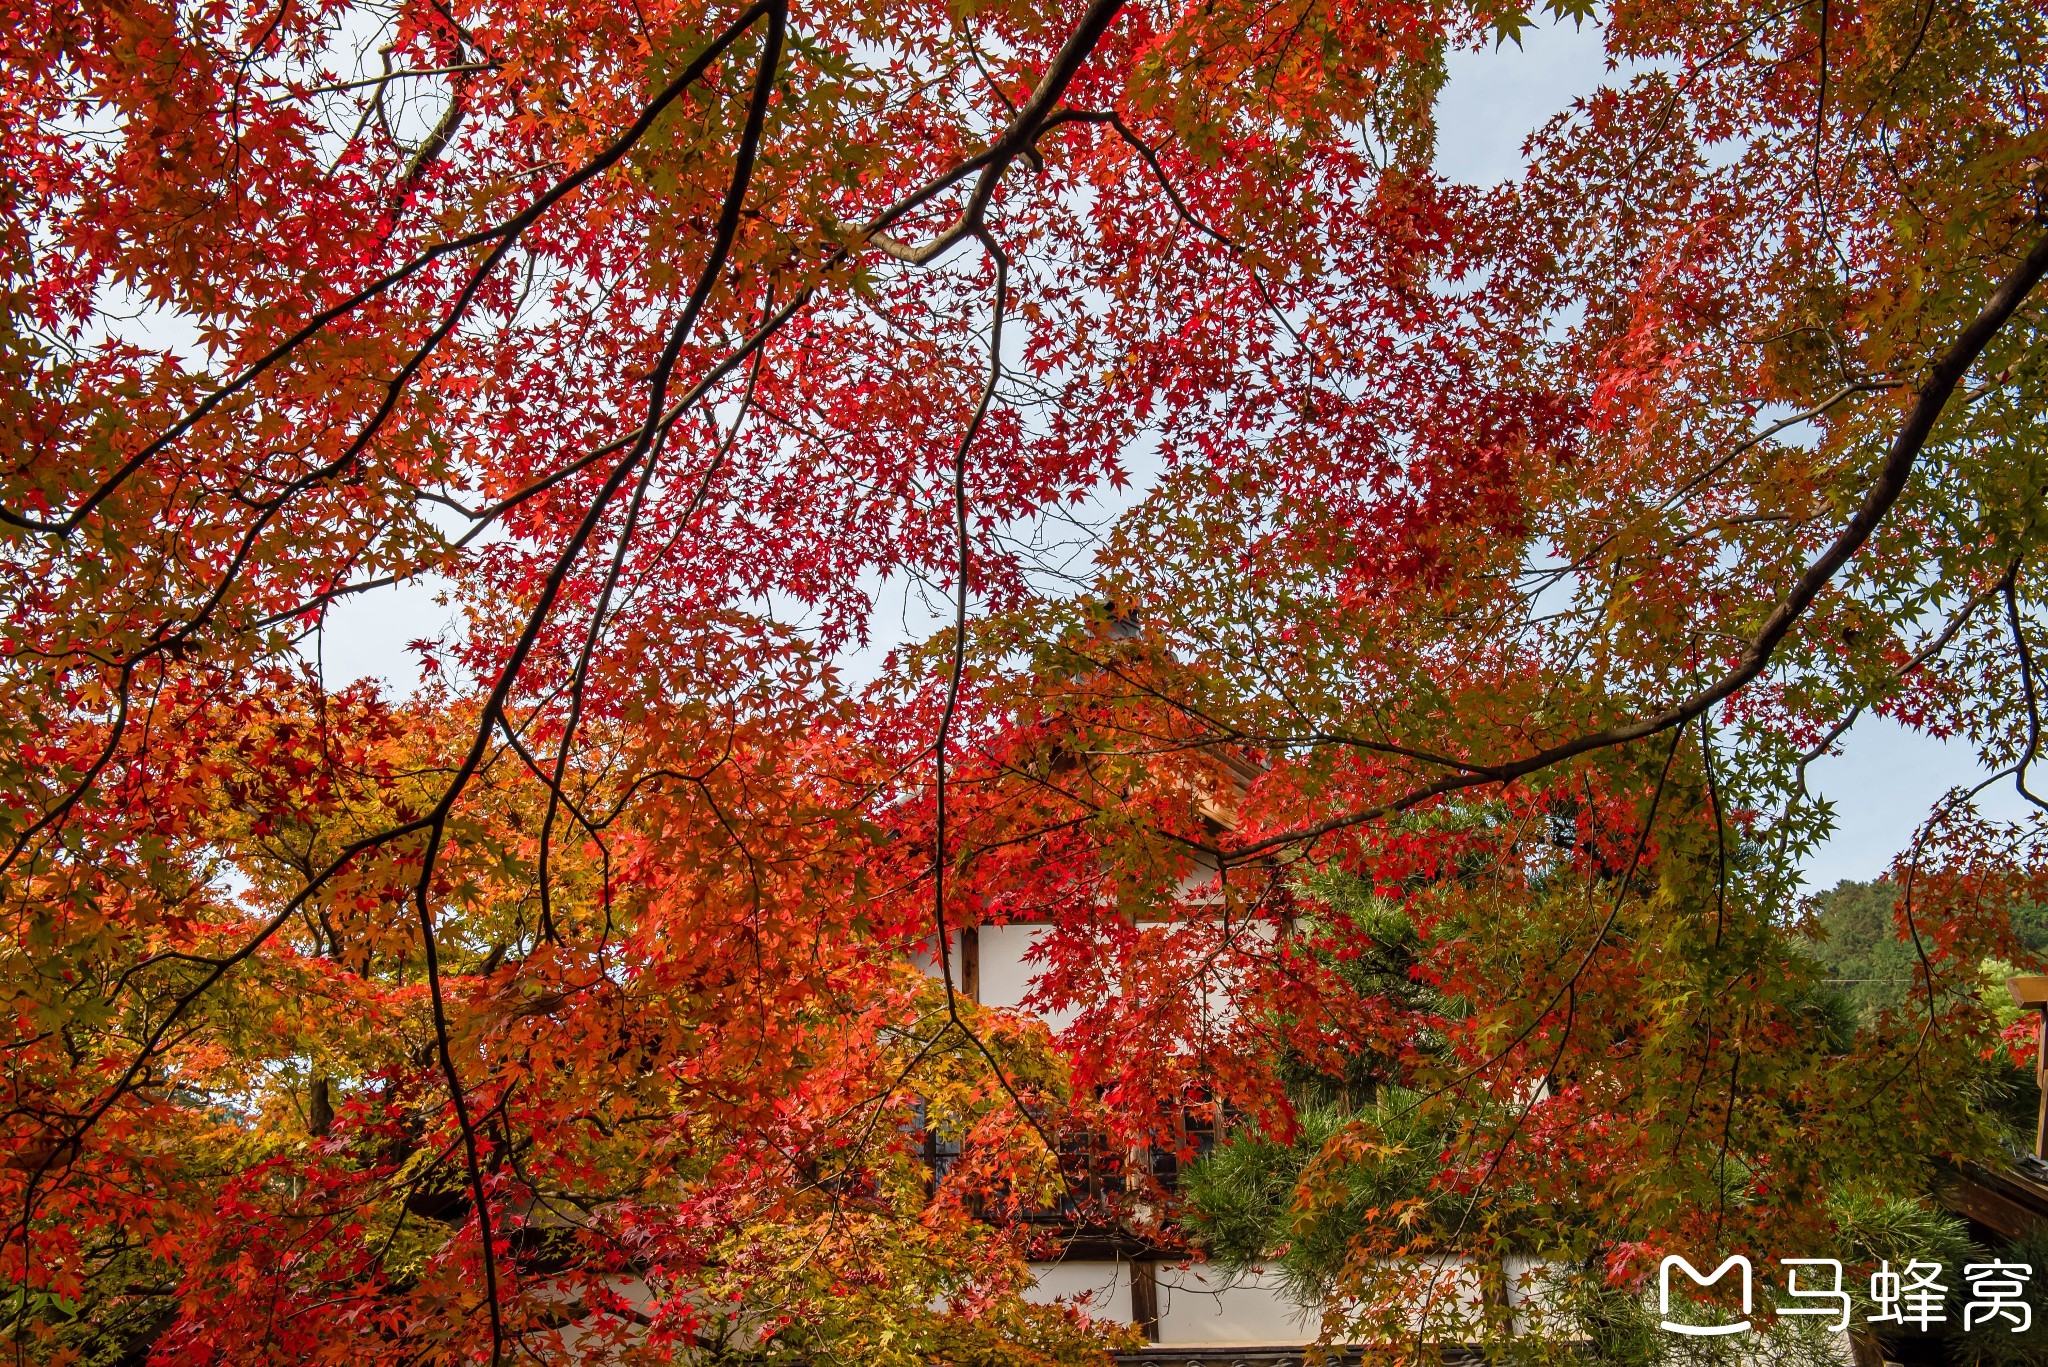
1893,474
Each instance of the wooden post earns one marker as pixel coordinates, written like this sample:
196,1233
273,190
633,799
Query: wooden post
2041,1081
1145,1300
970,963
2032,993
1496,1304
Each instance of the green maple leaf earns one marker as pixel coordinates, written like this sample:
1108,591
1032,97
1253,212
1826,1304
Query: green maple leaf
1509,25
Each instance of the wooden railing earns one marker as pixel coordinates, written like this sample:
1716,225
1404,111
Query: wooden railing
2032,994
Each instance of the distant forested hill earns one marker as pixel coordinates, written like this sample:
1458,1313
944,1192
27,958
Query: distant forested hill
1862,952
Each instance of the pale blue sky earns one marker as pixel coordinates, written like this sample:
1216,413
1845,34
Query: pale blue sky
1886,777
1497,97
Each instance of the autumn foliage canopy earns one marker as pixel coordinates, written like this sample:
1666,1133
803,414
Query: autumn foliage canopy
1502,555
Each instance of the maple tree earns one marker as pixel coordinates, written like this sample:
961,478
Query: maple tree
1515,550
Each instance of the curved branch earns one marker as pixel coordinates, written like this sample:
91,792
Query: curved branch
1016,140
957,667
504,234
1897,468
380,80
1188,215
434,824
1733,454
2027,688
657,401
1800,792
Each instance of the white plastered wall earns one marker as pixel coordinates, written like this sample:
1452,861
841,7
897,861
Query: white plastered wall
1200,1305
1099,1289
1197,1304
1005,976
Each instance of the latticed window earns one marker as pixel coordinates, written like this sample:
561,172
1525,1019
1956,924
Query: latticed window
1094,1169
1192,1130
941,1152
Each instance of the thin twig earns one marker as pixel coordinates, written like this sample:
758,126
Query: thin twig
1893,475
